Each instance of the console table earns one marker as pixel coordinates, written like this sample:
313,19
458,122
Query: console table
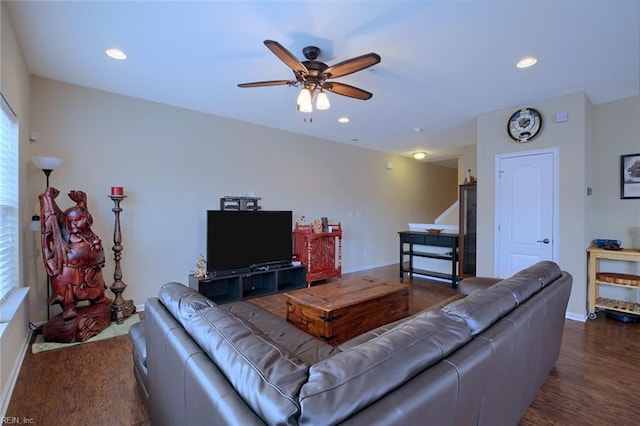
412,238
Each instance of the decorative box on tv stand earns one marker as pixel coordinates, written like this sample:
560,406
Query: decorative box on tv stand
239,203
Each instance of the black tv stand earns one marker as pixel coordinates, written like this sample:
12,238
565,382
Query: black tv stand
249,283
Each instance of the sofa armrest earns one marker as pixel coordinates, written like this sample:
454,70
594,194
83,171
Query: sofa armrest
471,285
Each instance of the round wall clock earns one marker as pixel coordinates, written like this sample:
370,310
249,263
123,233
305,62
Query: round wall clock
524,125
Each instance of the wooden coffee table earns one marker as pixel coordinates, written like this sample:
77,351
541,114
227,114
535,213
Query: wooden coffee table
338,311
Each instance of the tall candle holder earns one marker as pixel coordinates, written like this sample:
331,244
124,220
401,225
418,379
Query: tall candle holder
121,308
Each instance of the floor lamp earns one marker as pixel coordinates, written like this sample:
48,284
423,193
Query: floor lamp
47,165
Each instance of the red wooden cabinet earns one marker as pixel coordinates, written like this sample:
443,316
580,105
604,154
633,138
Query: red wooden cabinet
321,252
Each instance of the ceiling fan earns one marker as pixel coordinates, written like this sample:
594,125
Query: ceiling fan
314,75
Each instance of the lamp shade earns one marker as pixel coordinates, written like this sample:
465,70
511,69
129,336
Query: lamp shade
34,225
322,102
304,97
306,107
47,163
304,100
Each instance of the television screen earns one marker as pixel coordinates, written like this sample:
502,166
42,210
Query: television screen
238,241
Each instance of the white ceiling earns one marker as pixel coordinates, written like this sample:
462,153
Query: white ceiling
443,61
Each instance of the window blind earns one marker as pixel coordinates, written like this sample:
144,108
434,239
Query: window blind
8,198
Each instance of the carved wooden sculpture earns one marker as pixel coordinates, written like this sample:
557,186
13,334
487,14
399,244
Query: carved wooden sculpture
73,258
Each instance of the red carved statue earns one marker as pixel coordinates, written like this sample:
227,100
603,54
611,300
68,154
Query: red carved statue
73,257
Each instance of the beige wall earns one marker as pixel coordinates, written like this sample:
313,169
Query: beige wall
590,144
467,161
616,132
570,137
175,164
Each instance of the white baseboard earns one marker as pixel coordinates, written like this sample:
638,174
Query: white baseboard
575,316
364,268
13,377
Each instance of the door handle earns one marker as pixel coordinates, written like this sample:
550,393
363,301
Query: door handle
545,241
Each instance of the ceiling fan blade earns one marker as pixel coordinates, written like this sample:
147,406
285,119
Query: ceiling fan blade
269,83
346,90
351,65
285,56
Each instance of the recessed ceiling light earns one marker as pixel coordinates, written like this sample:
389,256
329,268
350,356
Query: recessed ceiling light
116,54
526,62
420,155
343,120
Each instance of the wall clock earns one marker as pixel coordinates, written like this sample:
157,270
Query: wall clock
524,125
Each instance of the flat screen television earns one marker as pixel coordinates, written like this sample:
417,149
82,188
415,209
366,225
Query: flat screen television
240,241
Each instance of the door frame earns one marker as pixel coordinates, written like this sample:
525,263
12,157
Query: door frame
555,152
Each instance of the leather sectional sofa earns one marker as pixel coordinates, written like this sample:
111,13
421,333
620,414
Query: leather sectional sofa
479,358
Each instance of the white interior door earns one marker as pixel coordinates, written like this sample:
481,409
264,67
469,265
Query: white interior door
526,203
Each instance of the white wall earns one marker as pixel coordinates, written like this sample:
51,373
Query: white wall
175,164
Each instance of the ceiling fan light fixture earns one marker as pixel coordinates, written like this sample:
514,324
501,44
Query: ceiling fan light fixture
322,101
420,155
304,97
304,100
313,75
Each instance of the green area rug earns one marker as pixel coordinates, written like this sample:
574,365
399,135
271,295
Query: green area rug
112,331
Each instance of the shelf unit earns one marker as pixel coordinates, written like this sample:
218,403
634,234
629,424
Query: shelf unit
467,226
320,251
595,281
230,288
412,238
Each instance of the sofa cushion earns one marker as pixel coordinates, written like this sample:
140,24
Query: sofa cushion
471,285
521,287
351,380
182,301
544,271
483,308
266,376
358,340
304,346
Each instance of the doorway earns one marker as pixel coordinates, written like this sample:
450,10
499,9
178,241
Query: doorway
526,210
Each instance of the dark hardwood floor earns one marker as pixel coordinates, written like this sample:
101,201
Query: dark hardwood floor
595,381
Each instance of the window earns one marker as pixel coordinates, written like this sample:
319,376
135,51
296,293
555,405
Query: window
8,198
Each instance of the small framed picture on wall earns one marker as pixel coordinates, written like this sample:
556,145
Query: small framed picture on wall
630,176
